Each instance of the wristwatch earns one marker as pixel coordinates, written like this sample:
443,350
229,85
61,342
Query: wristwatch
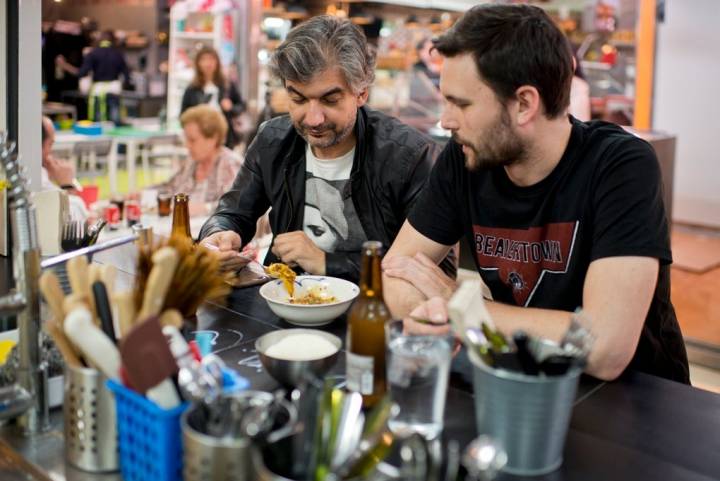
67,187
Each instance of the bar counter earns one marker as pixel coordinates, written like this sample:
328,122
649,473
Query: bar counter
637,428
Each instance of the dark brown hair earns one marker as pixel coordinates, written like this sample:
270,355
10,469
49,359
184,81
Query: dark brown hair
218,78
515,45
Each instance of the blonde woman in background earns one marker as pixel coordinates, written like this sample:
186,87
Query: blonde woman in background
211,167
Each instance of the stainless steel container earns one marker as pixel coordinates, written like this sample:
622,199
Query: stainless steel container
261,472
527,415
208,458
89,418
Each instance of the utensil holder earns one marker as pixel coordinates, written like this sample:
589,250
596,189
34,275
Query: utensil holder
89,421
209,458
527,415
149,437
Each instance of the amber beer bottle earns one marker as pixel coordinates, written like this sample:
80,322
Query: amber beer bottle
366,330
181,216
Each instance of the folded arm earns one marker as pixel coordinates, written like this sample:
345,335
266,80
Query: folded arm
400,294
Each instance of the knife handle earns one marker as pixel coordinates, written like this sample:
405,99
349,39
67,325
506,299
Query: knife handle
102,303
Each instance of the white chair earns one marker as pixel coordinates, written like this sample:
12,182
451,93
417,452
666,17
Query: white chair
91,152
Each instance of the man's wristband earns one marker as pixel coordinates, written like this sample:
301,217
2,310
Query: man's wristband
67,187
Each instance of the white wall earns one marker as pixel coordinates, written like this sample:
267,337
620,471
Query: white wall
687,104
30,92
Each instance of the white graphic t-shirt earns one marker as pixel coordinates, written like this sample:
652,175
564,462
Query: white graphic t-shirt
330,219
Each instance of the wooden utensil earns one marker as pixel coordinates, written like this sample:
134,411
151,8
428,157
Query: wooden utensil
125,306
54,330
74,301
77,269
107,275
171,317
165,261
53,293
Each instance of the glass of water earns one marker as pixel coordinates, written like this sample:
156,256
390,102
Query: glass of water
417,375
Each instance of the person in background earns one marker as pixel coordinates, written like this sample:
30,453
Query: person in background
426,64
209,86
211,167
335,172
579,93
60,174
107,64
558,213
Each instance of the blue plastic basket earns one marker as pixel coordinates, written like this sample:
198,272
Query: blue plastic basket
150,437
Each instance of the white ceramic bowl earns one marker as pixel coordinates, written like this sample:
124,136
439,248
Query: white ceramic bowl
310,315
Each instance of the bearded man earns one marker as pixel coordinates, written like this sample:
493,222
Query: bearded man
558,213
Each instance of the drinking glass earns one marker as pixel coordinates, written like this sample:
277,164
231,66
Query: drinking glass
417,372
164,201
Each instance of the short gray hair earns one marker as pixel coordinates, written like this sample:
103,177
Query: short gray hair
323,42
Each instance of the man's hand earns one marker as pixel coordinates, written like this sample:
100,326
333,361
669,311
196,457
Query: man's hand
226,245
226,104
60,172
420,271
297,248
429,318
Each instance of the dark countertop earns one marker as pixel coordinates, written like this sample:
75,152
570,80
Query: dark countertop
637,428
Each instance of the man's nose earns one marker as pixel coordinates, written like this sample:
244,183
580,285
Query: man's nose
314,115
447,119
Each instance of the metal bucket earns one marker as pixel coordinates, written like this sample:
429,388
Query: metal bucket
527,415
208,458
89,421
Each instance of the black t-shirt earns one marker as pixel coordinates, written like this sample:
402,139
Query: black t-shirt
533,245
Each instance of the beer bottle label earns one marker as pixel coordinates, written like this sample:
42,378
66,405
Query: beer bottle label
360,373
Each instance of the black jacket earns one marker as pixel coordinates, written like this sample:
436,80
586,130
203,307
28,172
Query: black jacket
392,162
195,96
106,64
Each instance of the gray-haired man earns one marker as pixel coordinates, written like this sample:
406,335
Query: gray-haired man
335,172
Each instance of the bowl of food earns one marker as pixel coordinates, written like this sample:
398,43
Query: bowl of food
314,300
289,355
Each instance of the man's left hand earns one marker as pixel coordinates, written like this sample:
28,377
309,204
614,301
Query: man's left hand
297,248
420,271
428,319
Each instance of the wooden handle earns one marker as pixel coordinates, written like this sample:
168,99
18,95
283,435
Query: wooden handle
107,276
125,312
77,269
63,344
54,296
171,317
165,260
74,301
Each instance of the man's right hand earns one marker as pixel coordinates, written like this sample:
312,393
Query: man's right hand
61,172
226,245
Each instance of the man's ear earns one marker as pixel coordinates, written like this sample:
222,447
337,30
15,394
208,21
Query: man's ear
362,97
528,104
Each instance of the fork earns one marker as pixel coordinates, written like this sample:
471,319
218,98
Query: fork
72,235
